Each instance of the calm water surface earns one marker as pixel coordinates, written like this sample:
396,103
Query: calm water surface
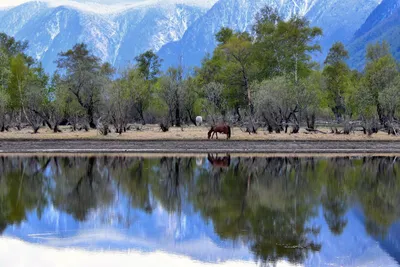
214,210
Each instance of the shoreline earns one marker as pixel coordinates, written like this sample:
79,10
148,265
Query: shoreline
198,147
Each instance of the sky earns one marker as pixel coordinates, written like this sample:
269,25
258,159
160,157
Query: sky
9,3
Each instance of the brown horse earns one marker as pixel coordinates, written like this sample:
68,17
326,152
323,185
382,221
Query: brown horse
222,128
219,162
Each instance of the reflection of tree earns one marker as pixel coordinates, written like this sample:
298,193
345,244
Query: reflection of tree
170,181
263,202
335,197
23,189
378,189
133,177
81,186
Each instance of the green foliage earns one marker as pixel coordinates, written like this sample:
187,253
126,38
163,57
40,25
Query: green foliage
338,80
148,65
284,47
380,72
85,77
224,35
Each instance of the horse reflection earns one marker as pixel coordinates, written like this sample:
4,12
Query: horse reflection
219,162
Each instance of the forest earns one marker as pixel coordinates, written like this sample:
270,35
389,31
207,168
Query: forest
264,79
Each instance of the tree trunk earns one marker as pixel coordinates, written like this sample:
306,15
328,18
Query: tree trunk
91,118
237,111
35,129
311,121
177,117
55,128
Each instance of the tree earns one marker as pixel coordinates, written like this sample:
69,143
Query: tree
224,35
215,103
296,43
310,98
5,75
35,98
380,72
237,51
148,65
284,47
389,100
148,68
140,91
189,97
27,91
276,104
85,77
171,92
337,79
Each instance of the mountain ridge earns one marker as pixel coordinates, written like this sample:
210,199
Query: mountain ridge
382,25
179,33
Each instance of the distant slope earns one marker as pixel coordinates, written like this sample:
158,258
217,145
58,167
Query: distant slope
383,24
339,19
382,12
237,14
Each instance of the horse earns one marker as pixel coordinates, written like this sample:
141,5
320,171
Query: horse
219,162
223,129
199,120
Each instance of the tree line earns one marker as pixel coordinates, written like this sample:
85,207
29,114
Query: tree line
265,78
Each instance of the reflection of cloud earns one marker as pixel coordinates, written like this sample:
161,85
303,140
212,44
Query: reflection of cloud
19,254
202,248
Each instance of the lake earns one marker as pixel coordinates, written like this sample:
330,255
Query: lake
215,210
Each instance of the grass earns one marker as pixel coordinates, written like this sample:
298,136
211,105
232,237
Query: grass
153,132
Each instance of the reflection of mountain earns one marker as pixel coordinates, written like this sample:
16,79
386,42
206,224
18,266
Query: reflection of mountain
354,247
391,244
112,228
299,210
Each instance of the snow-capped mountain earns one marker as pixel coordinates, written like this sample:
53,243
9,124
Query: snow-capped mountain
338,19
116,37
180,33
237,14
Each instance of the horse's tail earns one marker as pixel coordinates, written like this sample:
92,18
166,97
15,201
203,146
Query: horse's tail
210,132
229,132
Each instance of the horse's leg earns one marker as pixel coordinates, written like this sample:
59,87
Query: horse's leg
216,134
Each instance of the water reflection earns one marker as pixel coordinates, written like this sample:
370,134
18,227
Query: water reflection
217,208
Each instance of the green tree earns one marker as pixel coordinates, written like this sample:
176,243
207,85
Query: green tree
380,72
5,75
85,77
284,47
171,86
148,65
337,79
